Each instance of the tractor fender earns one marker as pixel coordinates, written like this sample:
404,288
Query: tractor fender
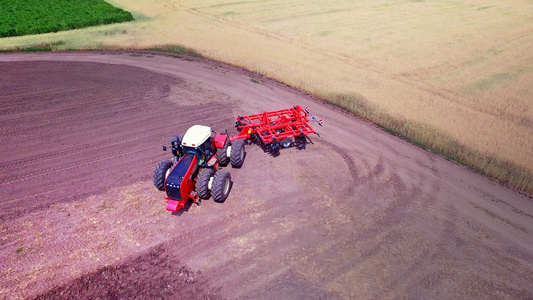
220,140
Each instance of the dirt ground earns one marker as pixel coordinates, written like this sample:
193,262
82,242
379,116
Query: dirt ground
358,214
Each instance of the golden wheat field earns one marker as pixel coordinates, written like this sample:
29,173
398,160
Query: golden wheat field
454,75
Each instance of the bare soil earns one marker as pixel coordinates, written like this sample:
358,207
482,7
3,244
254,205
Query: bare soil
358,214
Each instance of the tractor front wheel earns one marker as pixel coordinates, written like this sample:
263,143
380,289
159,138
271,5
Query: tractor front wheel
221,186
237,154
202,183
160,174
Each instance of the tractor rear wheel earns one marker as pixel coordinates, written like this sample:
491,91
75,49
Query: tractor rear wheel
202,183
221,186
222,154
160,174
237,154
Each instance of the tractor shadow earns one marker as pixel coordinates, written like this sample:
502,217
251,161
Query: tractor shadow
185,209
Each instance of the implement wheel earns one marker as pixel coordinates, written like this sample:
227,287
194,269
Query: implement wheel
300,142
255,138
274,147
160,174
237,153
202,183
286,143
221,186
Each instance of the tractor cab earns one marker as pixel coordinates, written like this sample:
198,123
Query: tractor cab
197,141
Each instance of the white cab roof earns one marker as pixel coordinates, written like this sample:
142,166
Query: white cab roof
196,135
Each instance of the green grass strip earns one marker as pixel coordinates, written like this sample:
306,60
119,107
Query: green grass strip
175,49
23,17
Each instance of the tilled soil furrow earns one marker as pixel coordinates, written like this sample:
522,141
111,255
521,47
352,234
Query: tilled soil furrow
71,166
85,148
102,119
73,117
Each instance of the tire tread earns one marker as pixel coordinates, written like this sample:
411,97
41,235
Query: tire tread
235,157
217,189
202,183
159,174
222,155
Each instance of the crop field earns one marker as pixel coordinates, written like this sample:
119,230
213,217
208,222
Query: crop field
456,76
21,17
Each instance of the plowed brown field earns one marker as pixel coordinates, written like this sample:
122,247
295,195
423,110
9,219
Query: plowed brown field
358,214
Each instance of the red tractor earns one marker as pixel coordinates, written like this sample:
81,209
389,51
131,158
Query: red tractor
194,172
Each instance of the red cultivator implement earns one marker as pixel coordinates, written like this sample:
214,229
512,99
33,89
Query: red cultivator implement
276,129
195,172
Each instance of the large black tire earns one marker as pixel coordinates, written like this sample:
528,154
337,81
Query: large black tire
160,174
222,154
221,186
237,153
202,182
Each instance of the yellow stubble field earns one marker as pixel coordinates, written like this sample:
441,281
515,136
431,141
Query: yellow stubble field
454,75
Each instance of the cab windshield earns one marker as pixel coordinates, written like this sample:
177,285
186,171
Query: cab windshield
202,152
189,150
